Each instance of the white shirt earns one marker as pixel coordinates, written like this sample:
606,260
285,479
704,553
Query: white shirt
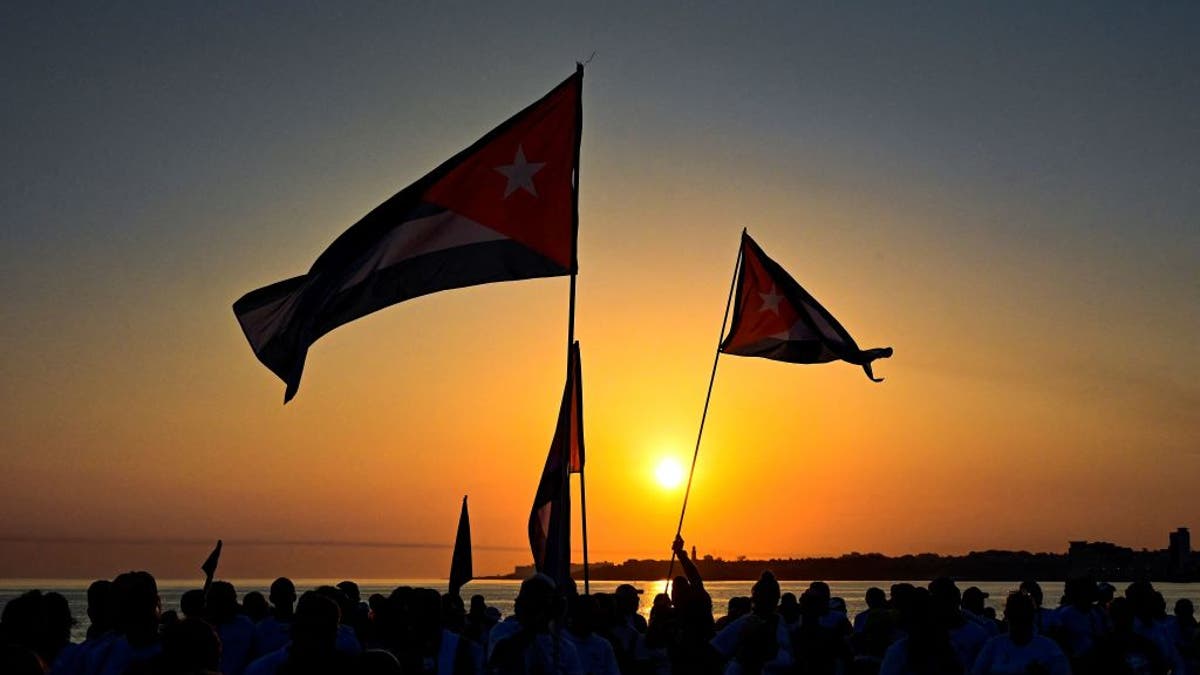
729,641
1002,656
595,654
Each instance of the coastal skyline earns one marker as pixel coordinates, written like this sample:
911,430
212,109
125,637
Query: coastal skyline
1006,195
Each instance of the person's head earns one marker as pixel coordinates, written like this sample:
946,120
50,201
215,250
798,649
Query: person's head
478,606
764,596
837,604
1105,593
789,607
581,615
1019,611
23,620
339,598
1120,613
191,603
136,605
351,590
973,600
59,620
255,606
821,590
283,595
1033,590
739,606
100,606
946,598
1080,591
627,599
222,602
315,625
191,645
875,598
1184,610
534,606
1140,595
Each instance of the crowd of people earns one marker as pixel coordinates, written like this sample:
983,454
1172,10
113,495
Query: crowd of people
911,630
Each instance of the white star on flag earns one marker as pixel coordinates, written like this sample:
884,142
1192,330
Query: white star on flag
770,301
520,174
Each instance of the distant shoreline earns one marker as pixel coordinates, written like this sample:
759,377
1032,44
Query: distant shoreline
1100,560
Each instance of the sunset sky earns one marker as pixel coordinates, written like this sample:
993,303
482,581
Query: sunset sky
1008,195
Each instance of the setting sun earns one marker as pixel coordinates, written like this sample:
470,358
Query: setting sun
669,473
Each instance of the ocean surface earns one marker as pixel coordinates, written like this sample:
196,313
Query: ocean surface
501,594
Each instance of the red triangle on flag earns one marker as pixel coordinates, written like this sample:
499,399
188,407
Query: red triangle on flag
520,182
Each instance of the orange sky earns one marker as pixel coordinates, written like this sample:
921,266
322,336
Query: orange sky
1041,297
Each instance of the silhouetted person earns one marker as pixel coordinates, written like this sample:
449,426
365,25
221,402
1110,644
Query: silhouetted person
738,606
819,647
1124,651
191,603
628,627
1022,649
136,611
1147,607
255,606
379,662
693,617
596,655
347,638
74,658
876,602
1081,624
190,647
974,609
234,628
1181,628
314,638
22,624
54,644
1045,619
966,636
529,645
789,611
272,633
758,642
870,643
925,648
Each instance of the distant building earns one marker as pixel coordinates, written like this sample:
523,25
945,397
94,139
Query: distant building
1179,552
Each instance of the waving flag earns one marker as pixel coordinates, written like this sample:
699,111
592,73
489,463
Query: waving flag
550,518
461,570
773,317
501,210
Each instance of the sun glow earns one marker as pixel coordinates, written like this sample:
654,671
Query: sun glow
669,473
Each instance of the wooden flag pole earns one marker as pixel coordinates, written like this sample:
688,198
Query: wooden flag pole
571,338
704,415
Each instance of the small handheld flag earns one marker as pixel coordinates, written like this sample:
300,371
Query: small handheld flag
775,318
550,517
501,210
209,566
460,564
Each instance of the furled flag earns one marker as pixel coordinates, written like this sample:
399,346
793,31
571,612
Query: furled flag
775,318
550,518
501,210
461,570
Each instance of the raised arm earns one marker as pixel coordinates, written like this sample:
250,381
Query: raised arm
689,567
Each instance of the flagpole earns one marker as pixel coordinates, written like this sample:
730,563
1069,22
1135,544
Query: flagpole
704,415
571,336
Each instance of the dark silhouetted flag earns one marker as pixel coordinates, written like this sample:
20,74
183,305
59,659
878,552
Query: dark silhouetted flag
773,317
550,519
461,570
501,210
209,566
